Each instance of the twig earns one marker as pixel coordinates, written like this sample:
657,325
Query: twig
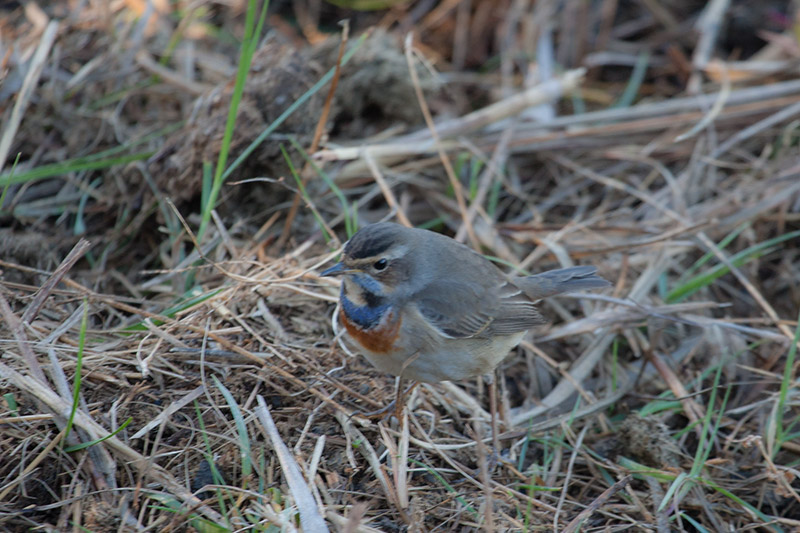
716,109
708,25
146,61
38,301
575,449
320,129
598,502
776,118
95,431
543,93
398,451
592,355
368,451
642,117
310,517
491,172
18,330
31,465
448,167
28,86
388,195
173,407
485,475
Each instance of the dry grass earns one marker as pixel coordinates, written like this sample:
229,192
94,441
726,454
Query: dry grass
211,387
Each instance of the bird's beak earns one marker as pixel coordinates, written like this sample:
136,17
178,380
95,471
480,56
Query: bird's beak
336,270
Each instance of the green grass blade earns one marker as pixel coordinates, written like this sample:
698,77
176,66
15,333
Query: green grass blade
783,396
694,523
634,82
460,499
76,385
11,402
101,439
728,494
249,43
708,256
71,165
682,479
209,458
8,184
705,434
291,109
708,277
348,219
241,428
175,309
100,160
306,197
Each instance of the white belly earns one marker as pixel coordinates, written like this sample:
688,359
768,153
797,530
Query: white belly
446,359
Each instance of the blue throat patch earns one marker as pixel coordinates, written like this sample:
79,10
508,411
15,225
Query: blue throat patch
364,316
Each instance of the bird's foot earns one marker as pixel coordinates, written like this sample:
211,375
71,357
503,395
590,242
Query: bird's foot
384,414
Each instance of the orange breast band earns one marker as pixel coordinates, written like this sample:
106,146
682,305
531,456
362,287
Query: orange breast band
379,339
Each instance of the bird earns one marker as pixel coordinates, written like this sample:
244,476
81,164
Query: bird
424,307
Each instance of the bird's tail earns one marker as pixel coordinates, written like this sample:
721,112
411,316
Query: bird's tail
559,281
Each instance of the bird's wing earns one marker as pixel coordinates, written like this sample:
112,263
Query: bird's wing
463,310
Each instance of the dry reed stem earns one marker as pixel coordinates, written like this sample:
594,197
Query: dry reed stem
318,132
27,89
610,187
310,518
448,167
95,431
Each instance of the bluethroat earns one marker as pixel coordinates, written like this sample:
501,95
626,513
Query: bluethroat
425,307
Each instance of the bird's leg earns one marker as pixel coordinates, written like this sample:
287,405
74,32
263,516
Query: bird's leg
493,410
494,456
400,395
394,407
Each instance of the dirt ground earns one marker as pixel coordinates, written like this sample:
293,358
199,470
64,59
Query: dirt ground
175,175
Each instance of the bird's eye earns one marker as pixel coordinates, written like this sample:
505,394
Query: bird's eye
380,264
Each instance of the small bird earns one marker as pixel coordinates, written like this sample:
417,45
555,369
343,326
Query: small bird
425,307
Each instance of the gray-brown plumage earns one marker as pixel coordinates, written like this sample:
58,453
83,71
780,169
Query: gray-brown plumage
452,313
